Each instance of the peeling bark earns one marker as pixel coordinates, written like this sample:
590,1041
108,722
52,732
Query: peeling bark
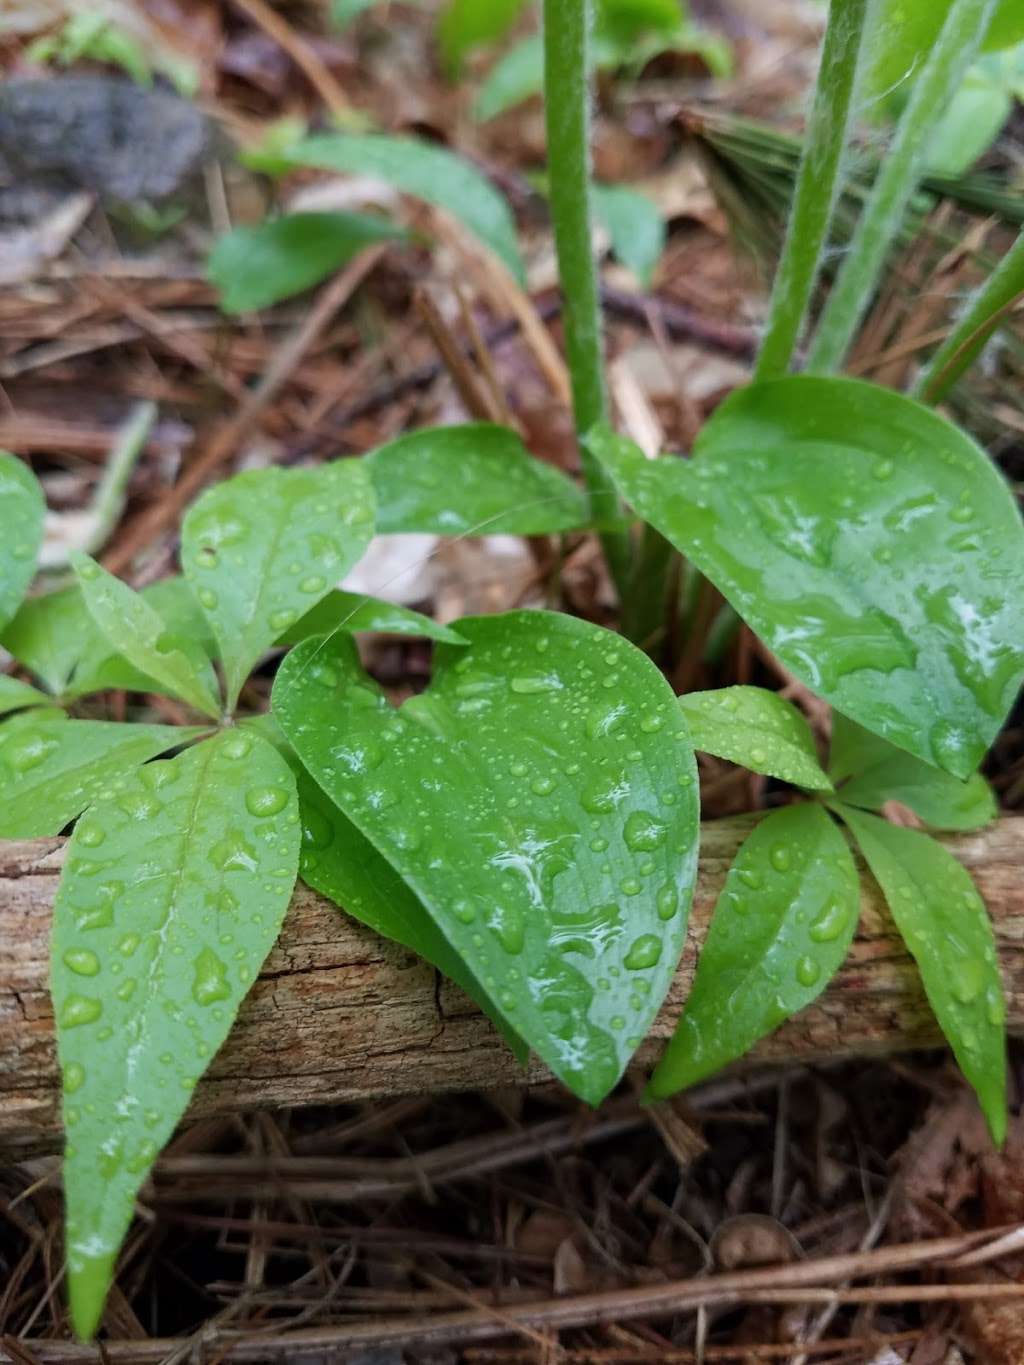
339,1014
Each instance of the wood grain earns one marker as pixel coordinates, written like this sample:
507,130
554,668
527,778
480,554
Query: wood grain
339,1014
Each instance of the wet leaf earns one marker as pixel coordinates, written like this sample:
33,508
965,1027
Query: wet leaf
944,923
426,171
21,531
99,668
871,545
353,612
16,695
141,635
540,801
51,769
780,931
478,479
262,548
257,265
340,862
873,773
156,942
635,225
757,729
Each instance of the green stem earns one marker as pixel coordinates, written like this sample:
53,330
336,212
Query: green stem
567,114
817,185
985,311
897,179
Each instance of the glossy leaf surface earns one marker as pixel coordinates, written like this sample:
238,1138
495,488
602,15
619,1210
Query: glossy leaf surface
870,544
16,695
256,265
156,941
540,800
944,923
353,612
780,931
141,635
51,769
635,226
478,479
757,729
262,548
340,862
425,170
874,773
21,531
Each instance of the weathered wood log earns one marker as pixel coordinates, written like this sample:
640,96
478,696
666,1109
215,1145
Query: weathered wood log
339,1014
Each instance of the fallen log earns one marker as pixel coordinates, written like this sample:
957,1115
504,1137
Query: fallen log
339,1014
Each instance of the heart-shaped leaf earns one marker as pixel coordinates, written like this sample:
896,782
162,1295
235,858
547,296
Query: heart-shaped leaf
540,800
944,923
873,773
353,612
262,548
155,944
425,170
256,265
474,480
757,729
781,929
51,769
21,531
340,862
141,635
873,546
16,695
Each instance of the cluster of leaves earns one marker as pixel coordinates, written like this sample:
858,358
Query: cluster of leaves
93,36
529,824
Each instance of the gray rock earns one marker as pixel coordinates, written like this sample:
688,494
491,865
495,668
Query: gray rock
112,137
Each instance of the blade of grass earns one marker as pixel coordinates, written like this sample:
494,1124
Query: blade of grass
817,187
985,311
897,179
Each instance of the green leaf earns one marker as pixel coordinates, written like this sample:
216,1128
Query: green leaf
263,547
16,695
253,267
875,773
518,75
428,172
352,612
478,479
871,545
99,668
943,922
540,801
627,21
757,729
49,635
21,531
141,635
343,12
969,126
156,942
341,863
468,24
635,225
780,931
51,769
269,153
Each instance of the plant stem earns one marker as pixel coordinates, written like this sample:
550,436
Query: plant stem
567,115
817,186
985,311
897,179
